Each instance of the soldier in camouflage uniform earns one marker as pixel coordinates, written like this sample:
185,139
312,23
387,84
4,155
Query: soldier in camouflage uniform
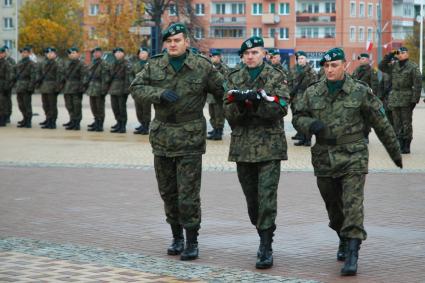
255,106
9,94
177,83
406,92
216,107
276,62
25,80
143,111
302,75
49,80
384,90
336,110
365,73
75,72
96,84
6,78
118,89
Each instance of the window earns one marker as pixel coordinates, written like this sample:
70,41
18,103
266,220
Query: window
378,10
94,9
238,8
361,34
226,32
283,33
369,34
352,34
8,3
199,33
370,10
257,32
272,32
330,7
172,10
329,32
118,9
283,8
361,10
310,8
407,10
92,33
309,32
8,23
8,43
257,9
353,9
199,9
220,8
272,8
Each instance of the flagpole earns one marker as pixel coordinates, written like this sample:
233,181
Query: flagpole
16,30
421,37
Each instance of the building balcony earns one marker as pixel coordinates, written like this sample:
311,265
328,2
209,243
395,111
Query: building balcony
231,20
269,42
312,19
270,19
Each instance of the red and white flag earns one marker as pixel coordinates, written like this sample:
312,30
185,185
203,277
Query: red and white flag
369,46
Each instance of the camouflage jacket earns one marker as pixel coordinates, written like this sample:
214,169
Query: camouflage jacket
224,70
50,76
11,60
137,68
6,75
178,128
75,72
120,78
340,148
384,89
25,75
283,70
367,74
406,82
301,78
97,78
257,129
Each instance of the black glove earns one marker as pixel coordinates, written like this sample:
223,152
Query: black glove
169,96
412,106
252,95
316,127
239,95
399,163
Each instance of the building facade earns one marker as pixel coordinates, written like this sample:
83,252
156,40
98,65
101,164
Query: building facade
8,32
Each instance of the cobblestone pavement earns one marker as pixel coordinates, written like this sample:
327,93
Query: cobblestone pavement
80,206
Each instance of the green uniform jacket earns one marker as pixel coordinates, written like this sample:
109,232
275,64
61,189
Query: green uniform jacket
283,70
301,78
344,115
25,75
6,76
406,82
224,70
120,78
137,68
367,74
97,78
75,72
50,76
257,132
11,60
196,78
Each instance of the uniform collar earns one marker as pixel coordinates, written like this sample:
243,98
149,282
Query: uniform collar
189,61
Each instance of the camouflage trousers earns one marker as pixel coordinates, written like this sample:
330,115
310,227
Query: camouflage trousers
179,183
216,112
3,104
97,106
119,107
143,112
50,105
259,183
24,103
73,103
402,119
343,198
8,101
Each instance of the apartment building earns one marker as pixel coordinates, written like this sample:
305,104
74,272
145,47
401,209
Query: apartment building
8,24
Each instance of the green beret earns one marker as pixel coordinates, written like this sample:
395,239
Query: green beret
216,52
72,49
116,49
253,41
363,55
300,53
25,48
142,49
275,52
2,49
49,49
97,48
173,30
333,54
403,49
194,50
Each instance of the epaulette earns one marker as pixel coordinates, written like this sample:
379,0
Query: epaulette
233,71
157,56
313,83
204,57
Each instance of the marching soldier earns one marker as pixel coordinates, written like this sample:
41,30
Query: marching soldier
96,85
143,111
406,92
6,78
49,82
255,105
177,82
25,77
118,89
216,107
8,99
74,88
336,110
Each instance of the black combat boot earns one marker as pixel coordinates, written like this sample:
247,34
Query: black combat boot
307,141
297,136
93,126
177,246
145,129
28,123
117,128
67,124
2,121
71,125
406,146
265,254
99,126
351,258
123,128
43,123
76,125
218,135
138,130
52,124
340,254
21,124
46,125
212,134
190,251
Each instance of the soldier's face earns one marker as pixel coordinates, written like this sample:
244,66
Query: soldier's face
364,61
176,45
254,57
143,55
403,55
335,70
51,55
73,55
302,60
2,55
119,55
97,54
25,54
216,59
275,59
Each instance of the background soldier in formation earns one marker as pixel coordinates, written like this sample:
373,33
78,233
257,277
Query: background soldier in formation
75,72
143,111
96,85
276,61
384,90
49,80
405,94
368,75
336,110
6,78
118,89
25,78
255,106
8,99
302,76
216,107
176,83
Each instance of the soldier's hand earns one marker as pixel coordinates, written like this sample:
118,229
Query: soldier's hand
252,95
316,127
236,95
399,163
169,96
